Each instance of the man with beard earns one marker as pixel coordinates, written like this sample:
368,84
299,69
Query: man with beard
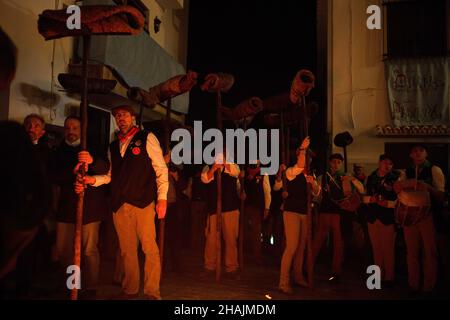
95,205
139,186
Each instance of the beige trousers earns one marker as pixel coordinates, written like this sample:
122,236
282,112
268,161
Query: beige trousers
89,243
230,233
330,222
382,238
421,235
136,225
295,229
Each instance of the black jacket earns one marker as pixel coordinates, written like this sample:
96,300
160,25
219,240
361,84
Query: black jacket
96,206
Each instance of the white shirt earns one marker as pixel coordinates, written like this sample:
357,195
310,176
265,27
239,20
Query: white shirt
291,174
232,170
159,165
76,143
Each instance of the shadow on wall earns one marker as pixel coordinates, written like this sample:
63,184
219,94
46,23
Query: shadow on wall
35,96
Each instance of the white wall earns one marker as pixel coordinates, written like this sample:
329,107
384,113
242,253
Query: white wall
357,81
30,90
173,30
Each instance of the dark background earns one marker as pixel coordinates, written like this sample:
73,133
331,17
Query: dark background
262,43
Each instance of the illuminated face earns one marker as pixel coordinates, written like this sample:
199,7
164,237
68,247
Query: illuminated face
34,128
124,120
72,130
386,165
418,154
335,165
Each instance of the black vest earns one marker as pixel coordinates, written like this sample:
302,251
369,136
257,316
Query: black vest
255,192
198,189
376,186
425,174
133,179
297,199
230,199
330,194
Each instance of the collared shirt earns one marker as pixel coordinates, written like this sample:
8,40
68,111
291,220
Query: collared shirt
76,143
159,165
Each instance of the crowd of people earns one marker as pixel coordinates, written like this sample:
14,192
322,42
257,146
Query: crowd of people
136,185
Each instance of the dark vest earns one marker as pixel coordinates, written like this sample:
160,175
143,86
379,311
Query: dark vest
255,192
198,189
330,194
133,179
296,200
425,174
376,186
230,199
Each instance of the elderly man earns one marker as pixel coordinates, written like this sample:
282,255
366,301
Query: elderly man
139,179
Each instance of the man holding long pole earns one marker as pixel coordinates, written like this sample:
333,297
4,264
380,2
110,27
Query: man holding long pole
229,215
139,179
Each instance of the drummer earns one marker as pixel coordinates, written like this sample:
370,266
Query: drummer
425,176
333,183
380,200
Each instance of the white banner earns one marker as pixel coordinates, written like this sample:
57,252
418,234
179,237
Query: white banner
418,91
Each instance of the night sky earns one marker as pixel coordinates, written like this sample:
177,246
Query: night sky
262,43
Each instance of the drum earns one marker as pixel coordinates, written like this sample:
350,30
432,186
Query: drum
413,207
350,203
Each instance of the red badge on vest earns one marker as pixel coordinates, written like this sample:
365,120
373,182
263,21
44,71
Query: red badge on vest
136,151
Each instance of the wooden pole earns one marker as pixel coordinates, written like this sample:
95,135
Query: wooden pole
84,125
141,114
345,159
219,198
288,144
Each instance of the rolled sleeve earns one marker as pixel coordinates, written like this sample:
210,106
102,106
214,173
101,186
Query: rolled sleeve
293,172
159,165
